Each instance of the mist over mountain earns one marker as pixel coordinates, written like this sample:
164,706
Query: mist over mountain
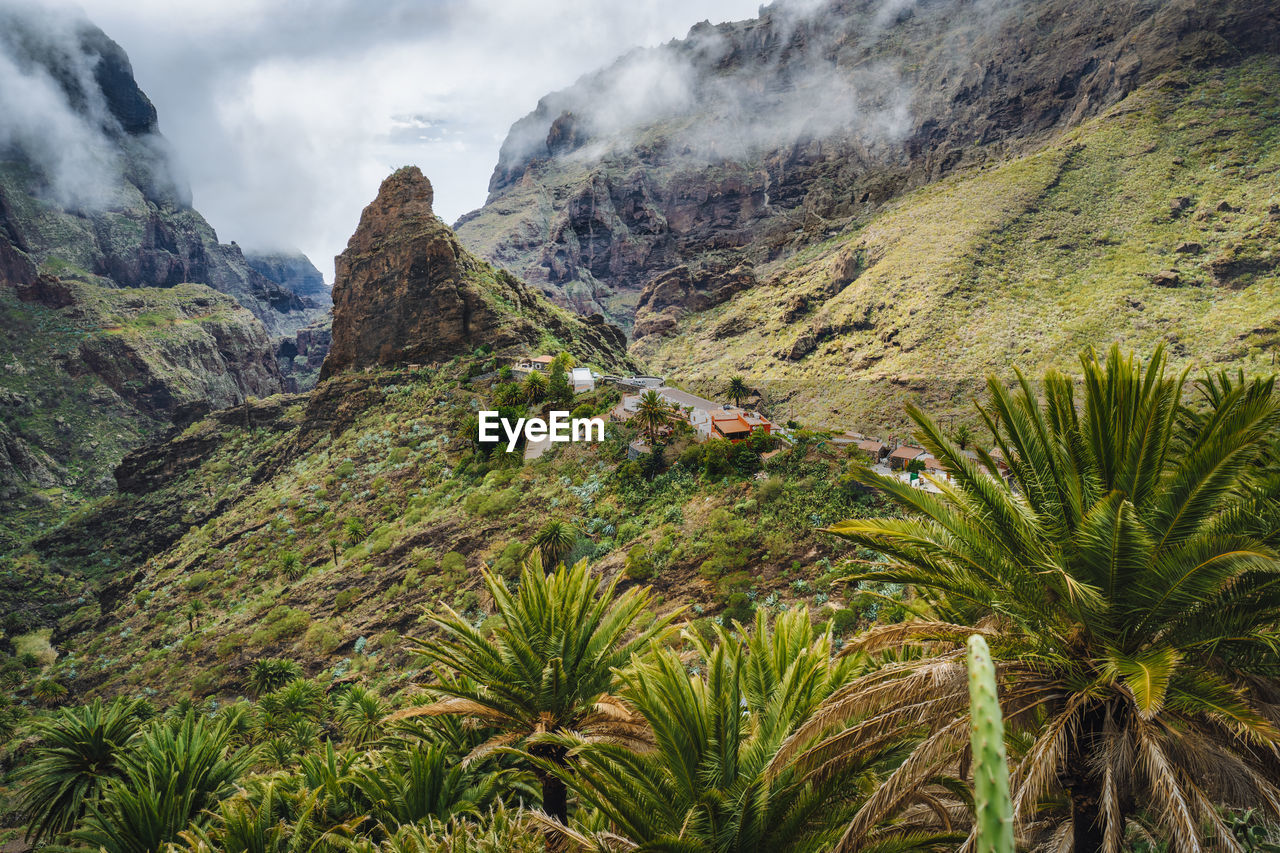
746,141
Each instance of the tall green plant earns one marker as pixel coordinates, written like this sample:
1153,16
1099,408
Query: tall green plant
173,774
78,753
548,665
719,720
1130,596
992,808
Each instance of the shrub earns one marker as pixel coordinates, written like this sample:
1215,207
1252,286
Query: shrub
771,489
843,621
453,566
500,504
281,623
344,599
508,562
322,638
739,609
639,565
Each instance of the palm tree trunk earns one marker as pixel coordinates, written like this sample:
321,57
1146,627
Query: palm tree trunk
1084,787
1086,817
555,798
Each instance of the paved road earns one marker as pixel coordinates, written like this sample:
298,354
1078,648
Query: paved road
535,448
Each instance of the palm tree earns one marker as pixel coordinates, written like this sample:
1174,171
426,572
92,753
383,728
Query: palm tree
737,390
174,773
1129,600
361,715
78,753
706,784
535,386
274,821
652,414
547,667
268,674
425,783
554,540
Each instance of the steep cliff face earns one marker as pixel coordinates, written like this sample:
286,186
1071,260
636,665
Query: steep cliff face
120,312
1155,222
295,271
87,185
745,142
406,291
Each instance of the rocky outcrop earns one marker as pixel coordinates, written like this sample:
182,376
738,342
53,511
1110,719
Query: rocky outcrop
406,291
764,136
676,292
210,350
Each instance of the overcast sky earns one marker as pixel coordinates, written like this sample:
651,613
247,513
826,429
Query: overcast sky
286,114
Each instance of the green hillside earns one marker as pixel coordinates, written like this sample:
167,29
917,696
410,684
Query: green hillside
1157,221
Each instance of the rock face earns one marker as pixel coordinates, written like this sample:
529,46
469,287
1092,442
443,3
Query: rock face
295,271
87,186
406,291
119,308
745,142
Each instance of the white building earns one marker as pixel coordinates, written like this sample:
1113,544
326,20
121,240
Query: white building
583,380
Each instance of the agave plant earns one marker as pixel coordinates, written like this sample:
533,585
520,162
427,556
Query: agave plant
547,667
1128,593
79,752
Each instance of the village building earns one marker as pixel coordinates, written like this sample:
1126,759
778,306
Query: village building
582,379
934,467
708,419
877,450
538,363
731,426
903,456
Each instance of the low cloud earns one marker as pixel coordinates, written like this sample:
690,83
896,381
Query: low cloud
70,146
285,117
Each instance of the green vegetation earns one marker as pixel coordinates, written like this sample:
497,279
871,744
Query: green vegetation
817,697
992,807
1127,581
554,651
1024,261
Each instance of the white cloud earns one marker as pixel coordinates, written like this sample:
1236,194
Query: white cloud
287,115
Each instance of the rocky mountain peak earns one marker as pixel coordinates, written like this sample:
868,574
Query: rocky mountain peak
405,290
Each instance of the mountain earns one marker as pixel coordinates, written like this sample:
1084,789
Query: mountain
406,291
120,312
301,354
733,197
299,524
293,270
